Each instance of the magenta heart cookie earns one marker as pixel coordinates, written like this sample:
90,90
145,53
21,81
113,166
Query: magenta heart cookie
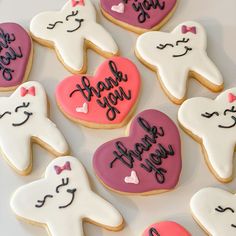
166,228
15,55
138,15
106,100
148,161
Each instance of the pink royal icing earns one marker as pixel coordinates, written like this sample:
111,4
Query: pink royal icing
15,51
107,98
144,14
166,228
152,150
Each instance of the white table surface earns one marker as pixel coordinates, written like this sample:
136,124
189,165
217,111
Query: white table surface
219,19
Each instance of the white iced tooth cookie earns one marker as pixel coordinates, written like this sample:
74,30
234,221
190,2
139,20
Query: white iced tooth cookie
213,124
215,211
63,199
178,55
72,30
23,120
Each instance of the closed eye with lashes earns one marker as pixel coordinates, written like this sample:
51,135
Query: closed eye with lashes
209,115
74,13
65,182
221,209
52,26
24,105
184,40
5,113
41,203
163,46
232,110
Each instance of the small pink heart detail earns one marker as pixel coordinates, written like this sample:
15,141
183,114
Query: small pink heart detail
120,8
83,109
231,97
110,95
132,179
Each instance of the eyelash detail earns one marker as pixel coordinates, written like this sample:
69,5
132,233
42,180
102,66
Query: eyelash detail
24,105
64,183
42,202
52,26
230,110
161,46
184,40
5,113
221,209
72,14
209,115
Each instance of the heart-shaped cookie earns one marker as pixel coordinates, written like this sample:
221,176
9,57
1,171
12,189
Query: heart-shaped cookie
166,228
152,150
15,55
213,124
106,100
214,210
138,16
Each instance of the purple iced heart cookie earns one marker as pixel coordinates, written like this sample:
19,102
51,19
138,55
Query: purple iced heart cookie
148,161
138,15
15,55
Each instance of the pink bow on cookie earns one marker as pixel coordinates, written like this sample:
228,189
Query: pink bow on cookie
231,97
30,91
187,29
59,169
77,3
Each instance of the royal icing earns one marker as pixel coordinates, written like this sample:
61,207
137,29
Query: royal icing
15,55
215,209
106,99
177,56
142,14
69,29
214,122
150,157
63,199
166,228
23,117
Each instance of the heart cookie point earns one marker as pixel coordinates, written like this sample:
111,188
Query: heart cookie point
138,16
148,161
15,42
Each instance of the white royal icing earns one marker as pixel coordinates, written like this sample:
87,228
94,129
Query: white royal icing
68,200
23,116
215,210
218,132
70,45
173,69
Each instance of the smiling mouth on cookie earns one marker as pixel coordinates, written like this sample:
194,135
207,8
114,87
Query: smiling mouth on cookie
229,126
28,114
187,49
80,23
72,192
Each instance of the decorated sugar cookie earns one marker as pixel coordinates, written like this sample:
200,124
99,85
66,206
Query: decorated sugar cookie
139,16
148,161
214,210
178,55
23,120
166,228
16,52
62,200
213,124
105,100
71,31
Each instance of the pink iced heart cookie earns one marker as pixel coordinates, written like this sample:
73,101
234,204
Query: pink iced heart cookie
106,100
138,15
15,55
148,161
166,228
